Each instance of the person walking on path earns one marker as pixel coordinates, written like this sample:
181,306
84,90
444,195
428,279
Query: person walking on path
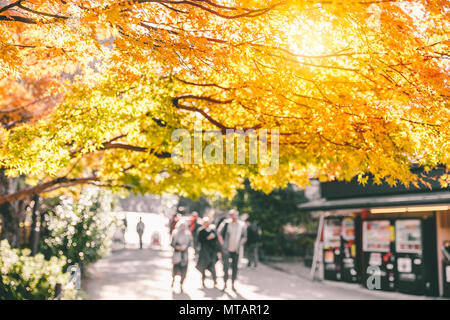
140,231
124,229
231,235
252,243
208,248
173,222
194,227
181,241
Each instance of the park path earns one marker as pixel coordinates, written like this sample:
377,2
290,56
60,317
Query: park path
132,273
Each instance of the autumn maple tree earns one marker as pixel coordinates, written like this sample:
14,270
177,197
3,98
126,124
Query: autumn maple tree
91,91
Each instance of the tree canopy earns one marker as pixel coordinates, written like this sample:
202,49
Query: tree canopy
91,91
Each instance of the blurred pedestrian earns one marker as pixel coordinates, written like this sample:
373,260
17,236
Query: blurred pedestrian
194,226
208,248
124,229
140,231
156,239
181,241
252,243
173,222
231,235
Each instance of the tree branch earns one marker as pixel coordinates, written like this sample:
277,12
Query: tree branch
218,124
41,13
41,188
118,145
17,19
9,6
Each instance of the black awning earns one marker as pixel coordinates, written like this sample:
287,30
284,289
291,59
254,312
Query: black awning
441,197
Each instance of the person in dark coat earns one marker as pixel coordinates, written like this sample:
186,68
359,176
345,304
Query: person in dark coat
140,227
194,227
209,246
173,222
252,243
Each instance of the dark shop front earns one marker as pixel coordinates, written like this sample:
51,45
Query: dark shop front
401,235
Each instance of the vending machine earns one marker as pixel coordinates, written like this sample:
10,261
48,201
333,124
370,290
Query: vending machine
332,248
349,252
378,254
416,253
446,268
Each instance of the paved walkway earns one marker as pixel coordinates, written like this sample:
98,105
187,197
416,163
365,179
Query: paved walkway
132,273
146,274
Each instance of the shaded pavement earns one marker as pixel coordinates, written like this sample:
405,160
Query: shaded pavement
131,273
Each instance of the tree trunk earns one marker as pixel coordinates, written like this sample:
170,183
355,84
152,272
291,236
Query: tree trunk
10,225
34,235
11,212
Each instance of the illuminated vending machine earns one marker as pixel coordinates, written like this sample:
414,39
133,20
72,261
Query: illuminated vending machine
415,247
446,268
332,248
378,254
349,254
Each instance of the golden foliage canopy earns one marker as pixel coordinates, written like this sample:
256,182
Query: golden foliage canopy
91,90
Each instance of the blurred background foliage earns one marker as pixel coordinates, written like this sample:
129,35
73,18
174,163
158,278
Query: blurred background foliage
187,205
25,277
80,230
285,230
73,231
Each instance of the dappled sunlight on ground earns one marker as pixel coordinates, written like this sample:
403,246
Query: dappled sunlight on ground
131,273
